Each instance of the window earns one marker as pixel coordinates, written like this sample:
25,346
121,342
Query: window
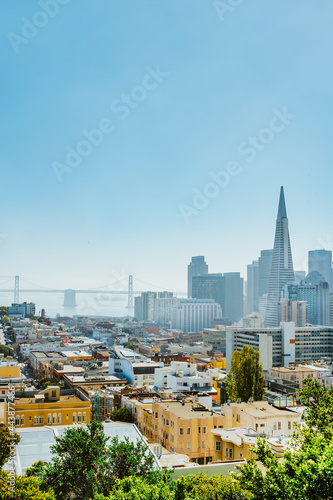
49,418
17,420
22,419
204,430
189,431
41,420
226,452
74,417
199,430
79,417
35,420
181,431
172,424
54,418
171,438
218,445
54,394
289,425
156,414
274,426
59,418
84,416
203,444
167,422
181,446
230,453
279,426
188,446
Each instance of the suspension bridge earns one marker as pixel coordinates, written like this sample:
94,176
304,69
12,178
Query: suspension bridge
14,286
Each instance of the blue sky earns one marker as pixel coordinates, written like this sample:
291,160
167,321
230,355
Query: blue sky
119,209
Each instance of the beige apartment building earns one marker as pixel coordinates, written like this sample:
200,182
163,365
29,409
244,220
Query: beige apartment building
184,427
299,373
262,417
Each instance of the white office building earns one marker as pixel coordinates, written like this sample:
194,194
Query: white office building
193,315
283,345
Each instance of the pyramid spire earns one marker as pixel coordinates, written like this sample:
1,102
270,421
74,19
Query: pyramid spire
282,212
282,270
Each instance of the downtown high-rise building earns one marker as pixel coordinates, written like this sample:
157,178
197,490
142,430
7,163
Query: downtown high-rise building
321,261
316,297
208,286
282,271
252,289
233,296
265,266
193,315
196,267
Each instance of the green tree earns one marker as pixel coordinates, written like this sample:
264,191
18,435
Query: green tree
319,402
122,415
245,378
6,440
192,487
3,311
79,468
129,345
5,320
126,458
84,464
305,472
7,351
26,488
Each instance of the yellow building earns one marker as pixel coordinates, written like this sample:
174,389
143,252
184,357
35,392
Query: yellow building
141,409
262,417
184,427
47,408
147,426
233,444
206,361
10,371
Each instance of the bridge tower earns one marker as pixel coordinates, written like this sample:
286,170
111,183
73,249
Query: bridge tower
17,290
130,296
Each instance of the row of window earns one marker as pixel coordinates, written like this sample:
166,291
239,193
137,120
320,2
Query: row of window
188,432
51,419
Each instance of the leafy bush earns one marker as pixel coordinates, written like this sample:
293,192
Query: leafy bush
26,488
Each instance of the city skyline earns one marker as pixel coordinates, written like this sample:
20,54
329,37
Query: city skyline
256,119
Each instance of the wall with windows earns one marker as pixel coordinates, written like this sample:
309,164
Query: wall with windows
62,412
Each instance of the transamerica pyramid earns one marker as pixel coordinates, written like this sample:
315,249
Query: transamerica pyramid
282,270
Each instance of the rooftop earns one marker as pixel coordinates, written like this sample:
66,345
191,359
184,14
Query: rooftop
188,410
260,409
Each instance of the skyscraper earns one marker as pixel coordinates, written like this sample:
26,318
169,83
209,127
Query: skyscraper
208,286
144,306
265,265
252,296
232,306
321,261
282,271
197,267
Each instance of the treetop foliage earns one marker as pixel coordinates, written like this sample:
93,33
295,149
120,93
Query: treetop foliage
319,402
122,415
245,379
6,439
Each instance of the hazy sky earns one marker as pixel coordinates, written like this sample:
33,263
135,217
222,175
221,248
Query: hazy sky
181,90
